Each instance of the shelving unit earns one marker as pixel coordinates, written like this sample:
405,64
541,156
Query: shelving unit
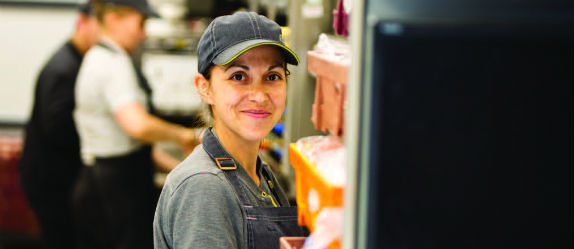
300,87
313,191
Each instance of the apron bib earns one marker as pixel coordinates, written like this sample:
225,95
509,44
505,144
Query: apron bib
265,225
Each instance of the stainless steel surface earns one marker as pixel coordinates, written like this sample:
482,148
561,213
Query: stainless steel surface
353,125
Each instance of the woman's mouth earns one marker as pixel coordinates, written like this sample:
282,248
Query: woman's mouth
257,113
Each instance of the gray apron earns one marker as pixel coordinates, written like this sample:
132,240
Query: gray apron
264,224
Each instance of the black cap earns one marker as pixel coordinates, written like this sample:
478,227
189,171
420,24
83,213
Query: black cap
140,5
227,37
86,8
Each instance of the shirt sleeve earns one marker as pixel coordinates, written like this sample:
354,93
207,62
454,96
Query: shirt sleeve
201,212
122,87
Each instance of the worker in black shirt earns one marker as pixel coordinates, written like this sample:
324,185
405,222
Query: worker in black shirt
51,158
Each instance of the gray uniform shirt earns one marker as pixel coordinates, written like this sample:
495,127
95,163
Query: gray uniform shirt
198,207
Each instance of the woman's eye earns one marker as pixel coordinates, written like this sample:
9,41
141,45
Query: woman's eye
273,77
237,77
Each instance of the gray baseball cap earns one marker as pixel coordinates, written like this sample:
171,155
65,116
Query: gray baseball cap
227,37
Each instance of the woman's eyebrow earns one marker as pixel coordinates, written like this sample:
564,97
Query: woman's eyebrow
230,65
274,66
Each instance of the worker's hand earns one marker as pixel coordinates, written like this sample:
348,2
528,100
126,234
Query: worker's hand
190,138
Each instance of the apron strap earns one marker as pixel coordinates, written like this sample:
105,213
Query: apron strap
144,85
225,162
271,184
103,45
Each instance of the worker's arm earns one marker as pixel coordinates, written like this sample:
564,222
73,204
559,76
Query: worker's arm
126,101
163,161
138,123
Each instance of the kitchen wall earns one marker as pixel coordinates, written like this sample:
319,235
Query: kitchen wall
29,35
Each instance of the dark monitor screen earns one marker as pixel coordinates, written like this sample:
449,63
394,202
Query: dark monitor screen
472,142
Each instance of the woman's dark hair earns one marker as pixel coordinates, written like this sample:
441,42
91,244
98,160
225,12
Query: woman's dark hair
207,74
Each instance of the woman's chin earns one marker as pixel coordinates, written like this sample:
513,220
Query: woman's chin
256,134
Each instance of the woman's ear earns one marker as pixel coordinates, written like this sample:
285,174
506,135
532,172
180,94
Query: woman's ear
202,86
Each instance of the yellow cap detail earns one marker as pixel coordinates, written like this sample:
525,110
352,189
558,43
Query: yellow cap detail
261,44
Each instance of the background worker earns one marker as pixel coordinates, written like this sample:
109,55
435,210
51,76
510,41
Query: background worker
51,157
115,126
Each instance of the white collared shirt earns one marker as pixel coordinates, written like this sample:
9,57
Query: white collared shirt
106,82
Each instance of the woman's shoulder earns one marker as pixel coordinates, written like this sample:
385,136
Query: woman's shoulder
197,167
196,204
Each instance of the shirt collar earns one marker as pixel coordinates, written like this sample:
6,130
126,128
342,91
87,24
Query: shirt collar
112,44
215,149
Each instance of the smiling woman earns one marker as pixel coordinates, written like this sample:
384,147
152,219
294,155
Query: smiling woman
223,195
247,96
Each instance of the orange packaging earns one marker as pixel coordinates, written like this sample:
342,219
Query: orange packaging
308,180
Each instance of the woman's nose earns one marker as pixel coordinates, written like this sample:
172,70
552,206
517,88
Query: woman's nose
258,92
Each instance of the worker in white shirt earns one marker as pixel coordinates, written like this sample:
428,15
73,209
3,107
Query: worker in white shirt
115,125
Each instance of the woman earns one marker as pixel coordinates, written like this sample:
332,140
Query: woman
223,195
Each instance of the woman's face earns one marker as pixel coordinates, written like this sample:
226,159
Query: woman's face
247,96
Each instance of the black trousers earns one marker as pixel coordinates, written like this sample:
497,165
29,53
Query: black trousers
124,186
90,221
52,208
47,182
